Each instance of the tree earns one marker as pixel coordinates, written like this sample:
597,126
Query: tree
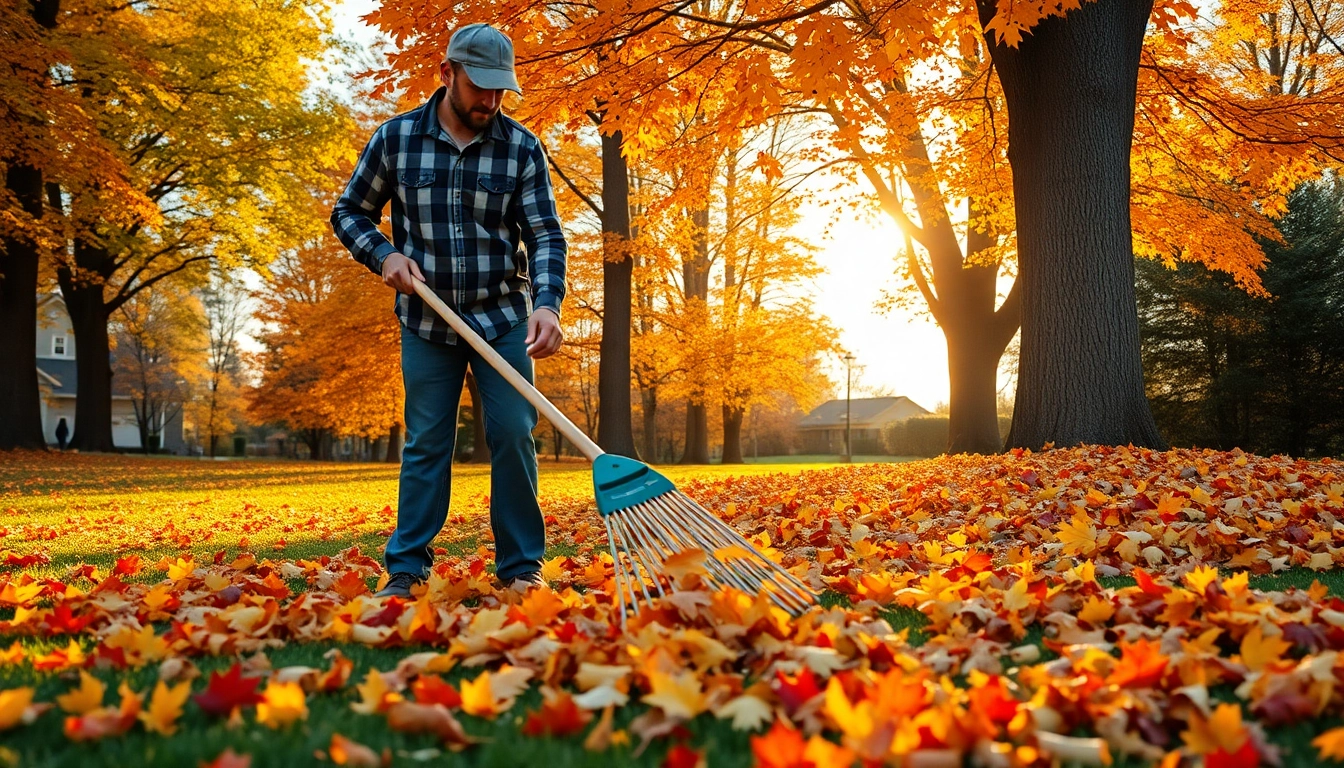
217,407
222,149
38,120
1261,372
158,345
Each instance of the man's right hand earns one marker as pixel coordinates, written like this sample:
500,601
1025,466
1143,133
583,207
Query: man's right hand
398,270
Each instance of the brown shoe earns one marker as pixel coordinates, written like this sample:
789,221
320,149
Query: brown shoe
399,585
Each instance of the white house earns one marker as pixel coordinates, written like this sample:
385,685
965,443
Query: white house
57,380
823,429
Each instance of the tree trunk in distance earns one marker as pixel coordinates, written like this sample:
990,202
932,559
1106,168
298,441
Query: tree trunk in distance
20,399
615,422
93,363
732,435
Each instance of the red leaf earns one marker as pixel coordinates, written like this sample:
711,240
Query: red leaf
1146,583
1246,757
431,689
682,756
558,716
228,692
796,691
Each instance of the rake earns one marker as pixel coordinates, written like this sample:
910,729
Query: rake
646,517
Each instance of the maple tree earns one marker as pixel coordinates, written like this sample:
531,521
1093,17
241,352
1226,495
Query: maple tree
157,336
39,119
219,153
331,358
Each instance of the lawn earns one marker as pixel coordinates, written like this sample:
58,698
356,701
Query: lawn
1183,603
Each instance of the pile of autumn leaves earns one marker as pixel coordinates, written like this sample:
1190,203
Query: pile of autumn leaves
988,549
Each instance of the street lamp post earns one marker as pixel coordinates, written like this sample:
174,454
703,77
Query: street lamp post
849,445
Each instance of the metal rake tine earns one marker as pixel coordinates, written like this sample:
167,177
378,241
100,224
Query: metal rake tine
738,538
747,580
802,595
634,560
707,544
657,524
617,571
647,551
626,568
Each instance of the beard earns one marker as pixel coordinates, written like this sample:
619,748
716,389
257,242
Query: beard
475,119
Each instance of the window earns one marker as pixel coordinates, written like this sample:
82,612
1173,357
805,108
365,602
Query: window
58,345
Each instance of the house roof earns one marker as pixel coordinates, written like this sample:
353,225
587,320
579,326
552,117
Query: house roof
62,372
865,411
61,375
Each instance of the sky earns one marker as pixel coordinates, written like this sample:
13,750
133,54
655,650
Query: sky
898,353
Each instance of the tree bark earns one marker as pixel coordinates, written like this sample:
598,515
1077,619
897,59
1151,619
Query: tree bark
1070,88
732,435
20,399
93,364
615,422
697,435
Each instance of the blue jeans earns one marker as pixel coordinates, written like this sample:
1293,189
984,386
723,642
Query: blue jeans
434,374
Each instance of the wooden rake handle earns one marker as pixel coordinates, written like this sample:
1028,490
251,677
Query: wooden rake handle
567,428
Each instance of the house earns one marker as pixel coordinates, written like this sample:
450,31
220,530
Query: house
823,429
56,378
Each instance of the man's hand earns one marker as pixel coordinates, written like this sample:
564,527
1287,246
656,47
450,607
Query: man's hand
397,272
543,333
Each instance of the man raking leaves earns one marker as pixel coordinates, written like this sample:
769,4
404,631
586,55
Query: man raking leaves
468,187
655,527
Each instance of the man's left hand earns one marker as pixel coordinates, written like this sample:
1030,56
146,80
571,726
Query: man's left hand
544,336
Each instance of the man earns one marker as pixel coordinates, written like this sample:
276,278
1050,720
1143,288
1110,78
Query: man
470,190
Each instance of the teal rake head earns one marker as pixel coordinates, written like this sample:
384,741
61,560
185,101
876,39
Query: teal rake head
648,520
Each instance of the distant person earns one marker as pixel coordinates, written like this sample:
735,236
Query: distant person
474,216
62,433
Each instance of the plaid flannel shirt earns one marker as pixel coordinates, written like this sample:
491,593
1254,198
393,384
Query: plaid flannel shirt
480,222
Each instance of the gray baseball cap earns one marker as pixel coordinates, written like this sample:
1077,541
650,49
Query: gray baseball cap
487,56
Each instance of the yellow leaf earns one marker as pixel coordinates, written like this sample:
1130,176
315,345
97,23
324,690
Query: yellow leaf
1200,578
1016,597
679,696
1258,651
684,563
13,704
1330,744
374,694
477,698
165,707
1097,610
553,570
282,704
86,698
1223,730
1078,536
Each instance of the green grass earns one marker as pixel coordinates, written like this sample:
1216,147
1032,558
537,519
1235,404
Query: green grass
206,492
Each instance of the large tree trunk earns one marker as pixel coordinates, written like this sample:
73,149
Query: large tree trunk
1070,89
93,365
732,435
20,399
615,424
697,435
695,284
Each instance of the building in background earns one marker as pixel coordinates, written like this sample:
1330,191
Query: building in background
57,379
823,428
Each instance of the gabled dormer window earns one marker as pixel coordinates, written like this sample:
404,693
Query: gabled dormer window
58,346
